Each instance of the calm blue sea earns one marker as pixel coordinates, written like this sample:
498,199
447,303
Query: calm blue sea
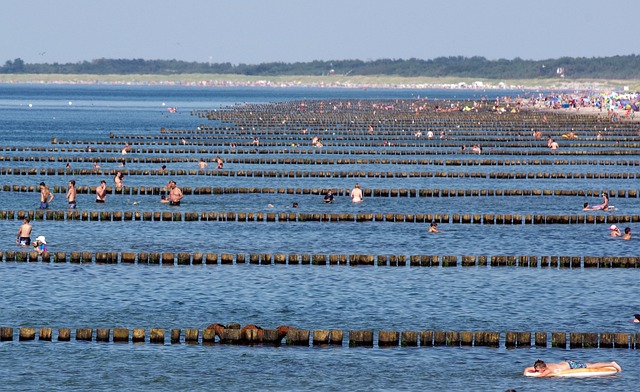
309,297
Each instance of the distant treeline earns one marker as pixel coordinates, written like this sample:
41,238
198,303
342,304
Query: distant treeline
616,67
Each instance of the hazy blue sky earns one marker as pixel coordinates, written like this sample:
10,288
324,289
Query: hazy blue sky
256,31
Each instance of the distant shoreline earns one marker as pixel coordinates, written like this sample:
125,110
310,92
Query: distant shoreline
333,81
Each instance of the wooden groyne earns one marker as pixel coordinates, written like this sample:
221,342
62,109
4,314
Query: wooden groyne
368,192
231,158
317,174
331,337
444,261
290,217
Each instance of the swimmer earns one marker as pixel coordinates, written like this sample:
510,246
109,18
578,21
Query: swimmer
356,194
46,196
163,199
328,198
636,318
202,164
40,245
95,165
434,228
220,162
627,233
547,369
586,207
615,231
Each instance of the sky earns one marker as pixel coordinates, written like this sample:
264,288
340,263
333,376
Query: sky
259,31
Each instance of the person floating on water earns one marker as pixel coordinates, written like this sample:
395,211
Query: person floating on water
547,369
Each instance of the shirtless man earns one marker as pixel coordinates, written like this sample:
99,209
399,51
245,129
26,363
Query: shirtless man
175,194
547,369
202,164
46,196
24,233
627,233
356,194
434,228
71,194
118,180
101,192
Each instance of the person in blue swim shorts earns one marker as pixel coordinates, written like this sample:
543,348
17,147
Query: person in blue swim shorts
547,369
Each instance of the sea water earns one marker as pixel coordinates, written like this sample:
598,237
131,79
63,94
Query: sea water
309,297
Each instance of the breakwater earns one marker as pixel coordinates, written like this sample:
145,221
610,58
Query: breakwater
232,334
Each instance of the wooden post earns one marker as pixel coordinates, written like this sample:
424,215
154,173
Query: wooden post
388,338
541,339
298,337
621,340
64,334
103,334
138,335
361,338
426,338
320,337
27,333
606,340
121,335
175,335
85,334
6,334
45,334
336,336
156,335
559,339
409,339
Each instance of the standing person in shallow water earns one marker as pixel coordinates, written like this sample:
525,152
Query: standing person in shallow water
175,194
71,194
356,194
101,192
24,233
46,196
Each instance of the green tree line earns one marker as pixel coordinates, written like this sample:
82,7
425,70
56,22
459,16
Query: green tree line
615,67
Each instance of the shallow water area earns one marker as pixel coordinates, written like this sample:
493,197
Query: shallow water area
402,298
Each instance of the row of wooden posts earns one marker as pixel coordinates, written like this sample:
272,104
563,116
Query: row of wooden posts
317,174
169,216
327,161
186,258
336,337
326,151
368,192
